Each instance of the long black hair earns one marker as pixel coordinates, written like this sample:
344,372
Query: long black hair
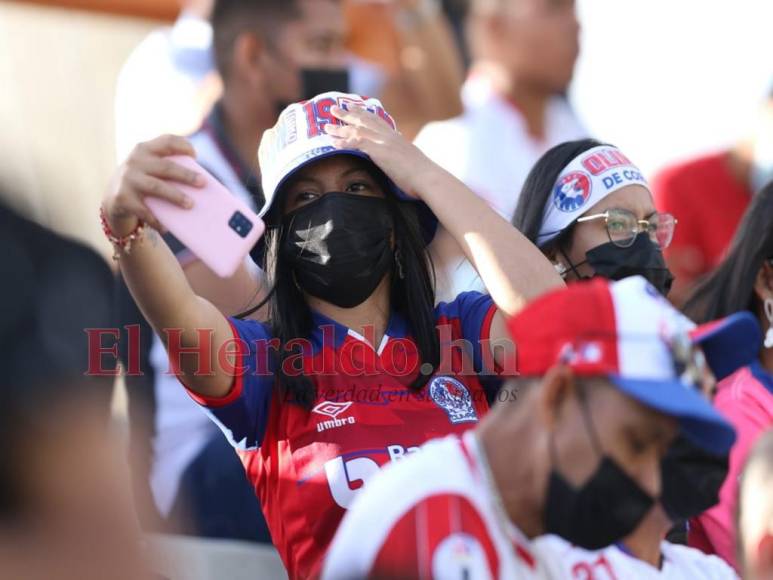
411,295
539,186
731,287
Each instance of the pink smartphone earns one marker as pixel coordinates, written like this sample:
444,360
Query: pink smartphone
220,229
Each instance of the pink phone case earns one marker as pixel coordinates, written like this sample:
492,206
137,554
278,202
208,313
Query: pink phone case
220,228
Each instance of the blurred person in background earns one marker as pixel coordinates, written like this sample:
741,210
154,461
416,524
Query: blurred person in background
171,79
168,82
523,56
256,50
412,41
709,196
327,63
65,506
755,514
53,290
599,397
197,483
742,282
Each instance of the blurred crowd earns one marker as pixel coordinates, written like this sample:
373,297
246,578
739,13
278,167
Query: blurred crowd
480,87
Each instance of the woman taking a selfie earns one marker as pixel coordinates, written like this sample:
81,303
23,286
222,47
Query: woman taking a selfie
350,371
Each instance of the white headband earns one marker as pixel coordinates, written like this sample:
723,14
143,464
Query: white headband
589,178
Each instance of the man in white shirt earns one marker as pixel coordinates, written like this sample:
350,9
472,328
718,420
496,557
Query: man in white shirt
608,373
168,82
523,56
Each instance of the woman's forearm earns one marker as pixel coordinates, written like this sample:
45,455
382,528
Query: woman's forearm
157,282
152,273
243,291
166,299
512,268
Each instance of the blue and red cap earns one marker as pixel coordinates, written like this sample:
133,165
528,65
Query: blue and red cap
727,341
627,332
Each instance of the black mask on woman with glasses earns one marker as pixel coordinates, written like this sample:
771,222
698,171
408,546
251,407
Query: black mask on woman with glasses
630,251
642,258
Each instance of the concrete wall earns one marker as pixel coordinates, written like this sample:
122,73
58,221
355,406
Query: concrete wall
58,69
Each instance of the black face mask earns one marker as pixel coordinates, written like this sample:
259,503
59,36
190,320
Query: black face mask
339,246
606,508
691,479
642,258
320,80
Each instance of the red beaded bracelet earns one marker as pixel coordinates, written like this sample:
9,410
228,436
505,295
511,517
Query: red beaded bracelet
122,244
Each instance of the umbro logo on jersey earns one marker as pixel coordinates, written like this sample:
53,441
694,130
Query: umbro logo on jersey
333,410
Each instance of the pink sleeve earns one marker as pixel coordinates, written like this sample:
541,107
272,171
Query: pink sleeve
740,403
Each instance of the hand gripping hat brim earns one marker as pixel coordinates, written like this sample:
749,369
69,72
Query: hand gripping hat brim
299,139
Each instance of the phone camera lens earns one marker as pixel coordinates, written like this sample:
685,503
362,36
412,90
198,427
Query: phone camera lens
240,224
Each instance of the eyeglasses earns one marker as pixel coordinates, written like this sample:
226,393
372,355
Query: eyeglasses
623,227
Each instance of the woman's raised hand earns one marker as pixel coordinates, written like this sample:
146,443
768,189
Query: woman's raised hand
397,157
145,173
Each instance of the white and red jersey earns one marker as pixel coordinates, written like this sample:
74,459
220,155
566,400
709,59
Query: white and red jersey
432,515
614,563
